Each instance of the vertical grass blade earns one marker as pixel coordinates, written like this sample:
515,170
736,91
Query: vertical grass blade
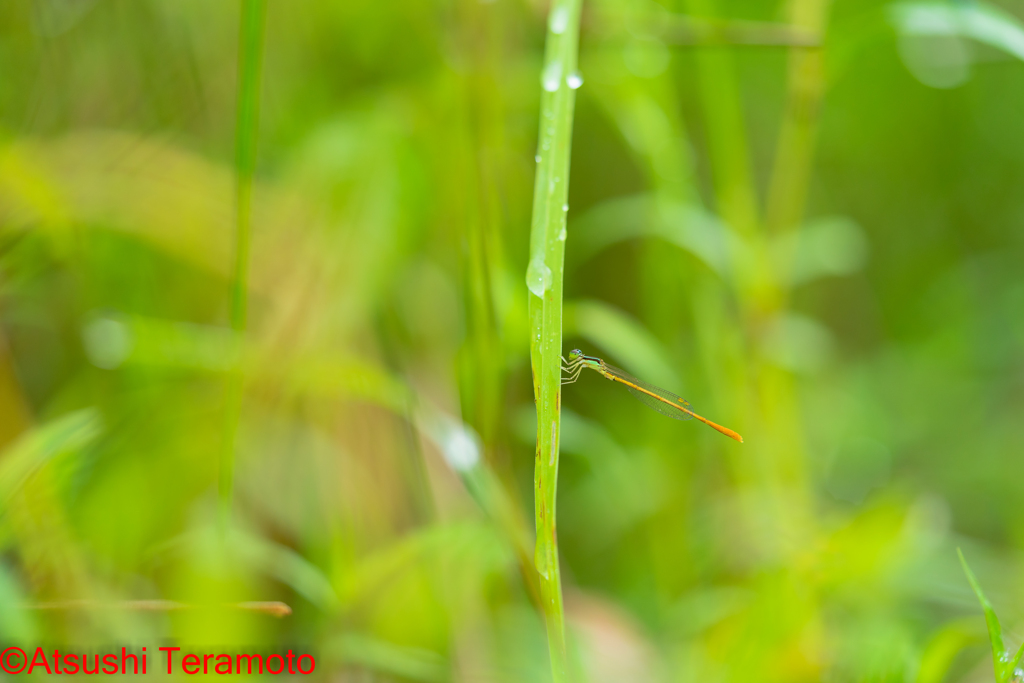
559,79
793,159
729,153
995,633
250,63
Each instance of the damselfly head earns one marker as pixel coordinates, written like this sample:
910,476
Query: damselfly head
574,354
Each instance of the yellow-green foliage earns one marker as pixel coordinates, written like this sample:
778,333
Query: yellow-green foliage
804,217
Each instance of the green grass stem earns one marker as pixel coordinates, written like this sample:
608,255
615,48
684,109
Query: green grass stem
787,192
250,61
1004,667
559,80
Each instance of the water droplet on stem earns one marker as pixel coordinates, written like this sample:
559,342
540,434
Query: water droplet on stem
552,76
559,20
538,277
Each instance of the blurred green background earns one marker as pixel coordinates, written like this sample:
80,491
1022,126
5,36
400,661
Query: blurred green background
803,216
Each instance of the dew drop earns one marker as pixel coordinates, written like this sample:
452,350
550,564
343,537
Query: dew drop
537,158
561,235
538,277
552,76
574,80
565,207
559,20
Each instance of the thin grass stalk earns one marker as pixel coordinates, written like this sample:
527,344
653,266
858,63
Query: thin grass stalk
787,193
482,362
786,201
559,79
736,202
760,291
779,468
250,63
735,195
678,29
773,468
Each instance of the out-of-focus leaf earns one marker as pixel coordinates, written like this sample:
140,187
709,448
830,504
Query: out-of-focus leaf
290,568
856,467
16,623
1013,671
159,193
995,632
868,549
26,193
697,611
628,343
410,663
328,377
33,450
687,226
799,343
267,558
942,649
830,246
621,488
55,17
465,551
461,449
113,340
974,20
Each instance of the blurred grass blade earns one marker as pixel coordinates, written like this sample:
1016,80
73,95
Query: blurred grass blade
831,246
1013,668
288,567
679,29
34,449
942,649
461,449
345,378
211,547
685,225
454,558
250,62
975,20
789,183
624,338
407,663
113,340
17,624
728,149
995,634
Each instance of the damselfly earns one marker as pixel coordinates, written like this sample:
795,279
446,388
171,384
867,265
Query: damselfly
665,402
